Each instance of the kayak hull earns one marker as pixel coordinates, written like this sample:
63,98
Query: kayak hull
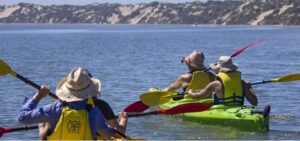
241,117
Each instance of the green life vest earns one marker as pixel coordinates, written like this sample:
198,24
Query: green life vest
233,89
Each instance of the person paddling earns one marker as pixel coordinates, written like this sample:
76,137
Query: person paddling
117,122
196,78
71,117
229,88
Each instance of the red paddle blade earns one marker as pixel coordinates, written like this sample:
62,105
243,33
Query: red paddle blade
245,47
137,106
4,130
185,108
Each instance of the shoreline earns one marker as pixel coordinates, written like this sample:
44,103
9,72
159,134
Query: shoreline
192,25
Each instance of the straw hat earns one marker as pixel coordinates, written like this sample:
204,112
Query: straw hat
77,86
195,60
225,64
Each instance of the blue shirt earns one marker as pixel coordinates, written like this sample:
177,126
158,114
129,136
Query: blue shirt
51,113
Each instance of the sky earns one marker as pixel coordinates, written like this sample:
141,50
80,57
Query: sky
83,2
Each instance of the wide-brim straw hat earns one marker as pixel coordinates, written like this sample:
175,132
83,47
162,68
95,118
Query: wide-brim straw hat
77,86
224,64
195,60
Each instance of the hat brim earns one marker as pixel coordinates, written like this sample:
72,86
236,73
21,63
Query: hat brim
225,69
192,65
65,94
217,68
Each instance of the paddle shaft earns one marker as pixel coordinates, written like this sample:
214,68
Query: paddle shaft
8,130
24,128
27,81
142,114
122,135
261,82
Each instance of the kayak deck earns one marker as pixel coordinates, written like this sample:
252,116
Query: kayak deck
241,117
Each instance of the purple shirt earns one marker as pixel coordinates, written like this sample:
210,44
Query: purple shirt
51,113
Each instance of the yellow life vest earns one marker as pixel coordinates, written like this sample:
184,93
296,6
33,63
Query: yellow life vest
233,89
199,80
72,125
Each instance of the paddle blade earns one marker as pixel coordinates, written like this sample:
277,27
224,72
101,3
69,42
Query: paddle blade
245,47
185,108
5,69
4,130
287,78
137,106
156,97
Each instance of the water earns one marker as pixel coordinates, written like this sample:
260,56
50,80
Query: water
129,59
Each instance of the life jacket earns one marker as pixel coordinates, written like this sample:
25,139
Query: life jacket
72,125
233,89
199,80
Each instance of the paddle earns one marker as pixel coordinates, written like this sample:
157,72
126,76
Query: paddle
236,53
137,106
9,130
183,108
6,69
286,78
157,97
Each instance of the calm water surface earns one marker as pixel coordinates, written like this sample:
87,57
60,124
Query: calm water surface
130,59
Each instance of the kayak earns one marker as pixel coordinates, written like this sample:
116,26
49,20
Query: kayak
241,117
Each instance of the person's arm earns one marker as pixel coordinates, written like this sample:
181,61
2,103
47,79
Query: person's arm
30,115
181,82
249,93
44,130
214,86
123,118
110,117
98,124
119,124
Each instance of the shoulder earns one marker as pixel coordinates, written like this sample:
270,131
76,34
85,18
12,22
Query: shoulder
102,105
52,109
186,76
55,106
215,83
99,102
